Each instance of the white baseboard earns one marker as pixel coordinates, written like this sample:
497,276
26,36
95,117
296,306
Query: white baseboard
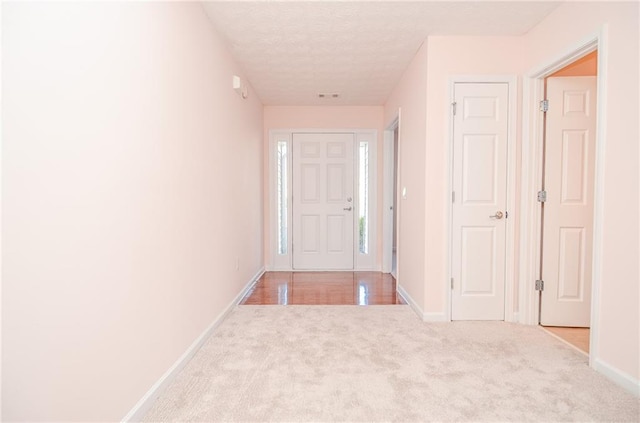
407,298
424,316
618,377
144,405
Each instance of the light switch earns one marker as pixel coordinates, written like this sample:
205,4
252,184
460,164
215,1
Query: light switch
404,193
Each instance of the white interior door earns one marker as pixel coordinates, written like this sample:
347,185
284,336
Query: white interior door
323,201
480,137
568,211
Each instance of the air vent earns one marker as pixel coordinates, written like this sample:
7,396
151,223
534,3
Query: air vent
328,95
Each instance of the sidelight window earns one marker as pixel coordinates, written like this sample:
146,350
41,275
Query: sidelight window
282,197
363,198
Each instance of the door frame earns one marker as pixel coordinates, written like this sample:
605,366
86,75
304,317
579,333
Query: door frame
510,315
390,164
284,262
531,180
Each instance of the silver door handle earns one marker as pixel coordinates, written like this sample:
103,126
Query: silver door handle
347,208
498,215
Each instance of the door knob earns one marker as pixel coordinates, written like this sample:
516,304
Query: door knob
347,208
498,215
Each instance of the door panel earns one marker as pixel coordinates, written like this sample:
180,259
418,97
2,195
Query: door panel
568,211
323,201
478,261
310,183
480,181
479,168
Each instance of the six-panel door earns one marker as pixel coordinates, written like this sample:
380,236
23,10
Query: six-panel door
323,201
568,211
479,208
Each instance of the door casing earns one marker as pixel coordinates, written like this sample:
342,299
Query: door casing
390,165
531,172
284,262
511,80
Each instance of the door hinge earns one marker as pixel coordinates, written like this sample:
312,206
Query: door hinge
542,196
544,106
539,285
455,107
453,196
451,283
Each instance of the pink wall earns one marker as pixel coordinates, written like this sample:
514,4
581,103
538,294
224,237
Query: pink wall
121,230
618,337
321,117
410,96
424,141
424,99
309,117
448,57
585,66
132,179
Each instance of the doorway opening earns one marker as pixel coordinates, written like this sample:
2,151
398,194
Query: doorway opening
531,178
481,225
567,200
394,236
322,199
479,200
391,166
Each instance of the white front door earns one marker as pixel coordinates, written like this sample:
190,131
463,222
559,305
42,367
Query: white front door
568,212
323,201
480,138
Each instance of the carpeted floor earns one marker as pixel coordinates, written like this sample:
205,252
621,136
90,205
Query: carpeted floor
381,363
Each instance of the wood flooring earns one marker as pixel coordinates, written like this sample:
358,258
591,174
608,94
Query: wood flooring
324,288
578,337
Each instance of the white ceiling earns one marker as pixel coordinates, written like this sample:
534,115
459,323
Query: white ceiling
293,50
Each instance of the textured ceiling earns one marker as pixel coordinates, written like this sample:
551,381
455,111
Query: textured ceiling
293,50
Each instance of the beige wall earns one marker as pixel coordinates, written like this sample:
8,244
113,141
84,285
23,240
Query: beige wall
410,96
132,179
618,337
321,117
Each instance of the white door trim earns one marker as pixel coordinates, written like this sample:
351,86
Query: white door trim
531,171
387,194
284,262
510,261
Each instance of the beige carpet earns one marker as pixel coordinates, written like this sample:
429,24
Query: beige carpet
381,363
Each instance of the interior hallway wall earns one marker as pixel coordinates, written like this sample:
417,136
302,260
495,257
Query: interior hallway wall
410,95
322,117
132,180
448,57
618,336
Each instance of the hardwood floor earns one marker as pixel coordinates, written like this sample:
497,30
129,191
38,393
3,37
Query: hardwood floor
324,288
578,337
